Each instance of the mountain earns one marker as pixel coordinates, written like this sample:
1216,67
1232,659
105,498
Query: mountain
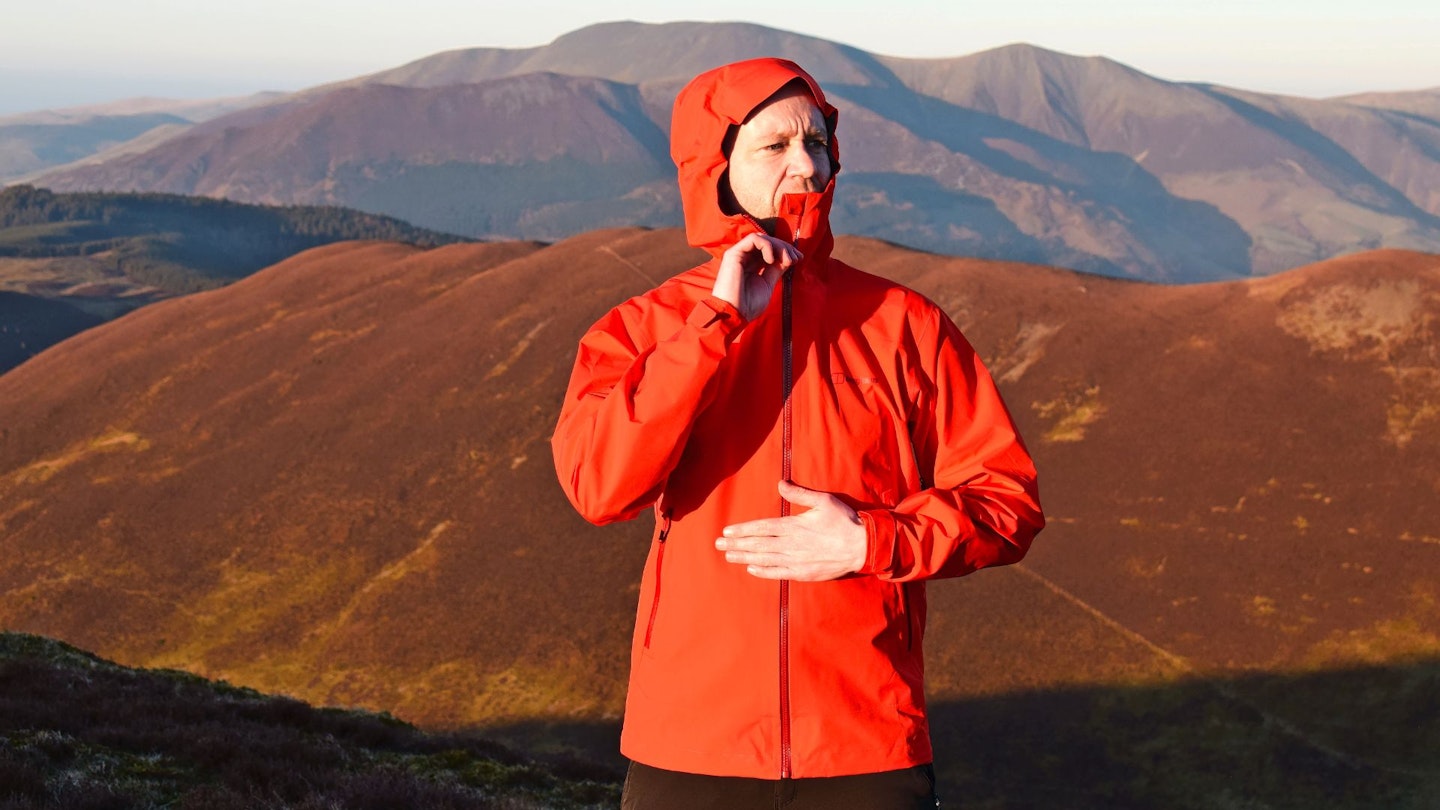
1424,103
332,479
638,53
78,731
31,143
68,261
1016,153
538,152
1306,179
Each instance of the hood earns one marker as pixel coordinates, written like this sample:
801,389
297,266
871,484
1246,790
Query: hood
705,110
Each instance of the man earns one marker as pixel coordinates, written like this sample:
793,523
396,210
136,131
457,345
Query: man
816,442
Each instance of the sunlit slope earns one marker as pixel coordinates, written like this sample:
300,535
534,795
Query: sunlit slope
333,479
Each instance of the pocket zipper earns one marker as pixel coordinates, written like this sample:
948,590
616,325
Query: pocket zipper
659,562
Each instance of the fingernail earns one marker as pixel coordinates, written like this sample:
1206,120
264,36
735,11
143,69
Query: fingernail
720,544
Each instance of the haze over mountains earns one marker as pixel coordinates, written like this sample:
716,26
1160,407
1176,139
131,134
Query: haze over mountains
1016,153
332,479
31,143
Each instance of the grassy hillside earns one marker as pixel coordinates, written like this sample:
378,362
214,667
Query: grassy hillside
80,732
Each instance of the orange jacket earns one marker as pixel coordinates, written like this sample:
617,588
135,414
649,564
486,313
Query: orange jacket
846,383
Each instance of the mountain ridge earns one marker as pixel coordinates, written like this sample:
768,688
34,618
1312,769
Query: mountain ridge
1014,153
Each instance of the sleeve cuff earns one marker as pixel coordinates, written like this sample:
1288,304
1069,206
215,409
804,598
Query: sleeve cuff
712,311
880,540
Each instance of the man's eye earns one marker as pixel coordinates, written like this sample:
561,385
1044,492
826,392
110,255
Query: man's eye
776,147
817,144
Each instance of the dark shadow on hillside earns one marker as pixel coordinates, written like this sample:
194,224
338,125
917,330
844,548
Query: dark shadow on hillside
77,731
81,733
1360,738
30,324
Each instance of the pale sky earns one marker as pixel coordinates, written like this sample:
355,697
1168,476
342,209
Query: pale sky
56,53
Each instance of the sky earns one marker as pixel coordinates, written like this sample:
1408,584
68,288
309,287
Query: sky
61,53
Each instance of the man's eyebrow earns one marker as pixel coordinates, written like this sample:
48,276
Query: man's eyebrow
807,132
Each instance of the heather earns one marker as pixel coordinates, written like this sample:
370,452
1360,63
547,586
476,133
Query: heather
80,733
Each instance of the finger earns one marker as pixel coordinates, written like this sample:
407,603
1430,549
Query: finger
768,527
767,252
796,494
763,560
756,542
765,544
768,571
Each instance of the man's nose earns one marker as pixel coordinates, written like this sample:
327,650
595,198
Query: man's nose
802,164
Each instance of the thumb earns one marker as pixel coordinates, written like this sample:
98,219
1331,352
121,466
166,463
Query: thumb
796,494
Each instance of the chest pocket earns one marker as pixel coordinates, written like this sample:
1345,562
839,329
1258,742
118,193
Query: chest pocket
863,434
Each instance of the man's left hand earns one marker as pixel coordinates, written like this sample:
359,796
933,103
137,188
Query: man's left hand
825,542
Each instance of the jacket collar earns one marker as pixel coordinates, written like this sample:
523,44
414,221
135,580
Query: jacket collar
705,110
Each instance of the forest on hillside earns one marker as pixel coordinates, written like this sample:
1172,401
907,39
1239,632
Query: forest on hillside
182,244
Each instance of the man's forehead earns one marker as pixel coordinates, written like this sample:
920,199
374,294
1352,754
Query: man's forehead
789,94
763,129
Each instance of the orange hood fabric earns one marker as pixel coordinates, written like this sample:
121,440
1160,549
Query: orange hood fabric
846,383
707,107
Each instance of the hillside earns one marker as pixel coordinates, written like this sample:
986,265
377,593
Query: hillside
68,261
77,731
332,479
1016,153
29,324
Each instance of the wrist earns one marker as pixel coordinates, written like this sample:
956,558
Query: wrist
859,543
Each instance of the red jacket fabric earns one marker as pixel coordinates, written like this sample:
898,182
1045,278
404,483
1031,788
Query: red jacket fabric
846,383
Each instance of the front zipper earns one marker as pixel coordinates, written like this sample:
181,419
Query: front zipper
789,388
659,562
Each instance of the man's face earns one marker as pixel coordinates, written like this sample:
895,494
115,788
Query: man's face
783,149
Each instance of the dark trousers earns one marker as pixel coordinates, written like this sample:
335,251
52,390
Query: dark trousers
648,788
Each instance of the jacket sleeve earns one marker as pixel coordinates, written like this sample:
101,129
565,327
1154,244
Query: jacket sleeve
982,505
631,402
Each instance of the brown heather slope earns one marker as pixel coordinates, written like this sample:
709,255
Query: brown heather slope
332,478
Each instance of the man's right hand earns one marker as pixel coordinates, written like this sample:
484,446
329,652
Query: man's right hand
749,271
